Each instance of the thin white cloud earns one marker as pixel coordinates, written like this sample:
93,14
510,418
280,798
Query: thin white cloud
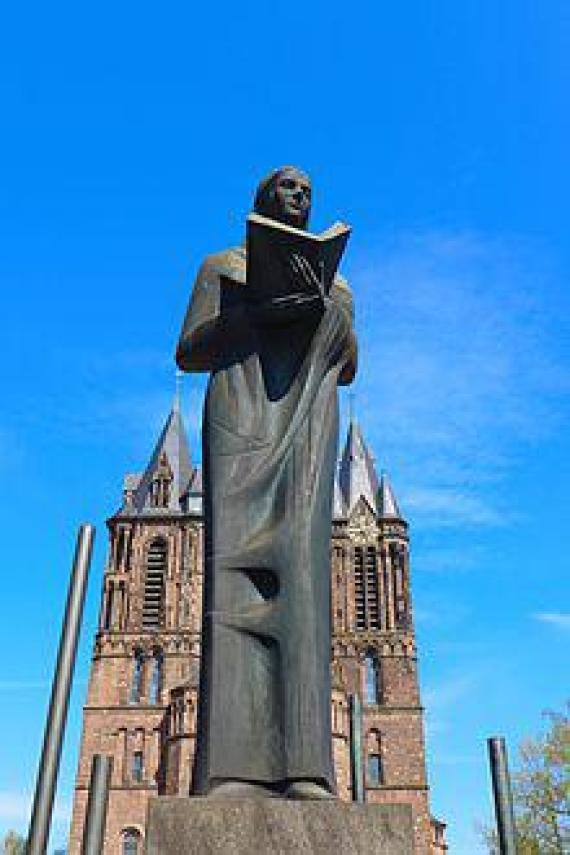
15,807
449,691
443,697
440,759
561,620
459,368
459,373
451,559
439,612
119,398
446,506
424,617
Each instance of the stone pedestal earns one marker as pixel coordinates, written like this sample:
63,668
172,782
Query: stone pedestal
196,826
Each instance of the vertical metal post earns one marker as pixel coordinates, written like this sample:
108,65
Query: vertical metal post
503,795
55,726
97,802
356,749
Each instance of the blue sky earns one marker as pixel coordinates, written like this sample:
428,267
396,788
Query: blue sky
132,139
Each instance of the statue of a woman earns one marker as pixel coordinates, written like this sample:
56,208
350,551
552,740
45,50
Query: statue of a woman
269,453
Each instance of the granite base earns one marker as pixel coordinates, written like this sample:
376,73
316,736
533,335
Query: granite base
198,826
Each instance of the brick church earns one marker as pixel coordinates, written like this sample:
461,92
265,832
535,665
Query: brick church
142,696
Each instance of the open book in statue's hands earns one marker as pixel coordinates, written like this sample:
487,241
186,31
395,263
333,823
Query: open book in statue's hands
286,264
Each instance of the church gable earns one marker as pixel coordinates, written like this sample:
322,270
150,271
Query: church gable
362,515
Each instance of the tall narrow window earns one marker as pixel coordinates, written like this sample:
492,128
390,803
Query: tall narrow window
131,840
156,678
371,681
137,771
153,604
374,770
108,607
136,683
161,483
180,715
401,605
120,547
374,767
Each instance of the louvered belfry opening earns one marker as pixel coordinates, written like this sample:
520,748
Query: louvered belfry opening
366,588
359,588
372,587
153,605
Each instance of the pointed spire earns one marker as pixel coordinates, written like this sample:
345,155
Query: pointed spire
357,474
171,450
339,510
177,393
387,504
351,399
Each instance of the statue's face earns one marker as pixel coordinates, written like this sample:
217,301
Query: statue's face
292,198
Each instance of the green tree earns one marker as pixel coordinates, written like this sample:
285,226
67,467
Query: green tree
13,844
541,792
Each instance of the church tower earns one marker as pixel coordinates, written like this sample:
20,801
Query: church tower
143,688
374,654
147,643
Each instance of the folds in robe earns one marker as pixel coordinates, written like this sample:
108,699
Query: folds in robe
270,436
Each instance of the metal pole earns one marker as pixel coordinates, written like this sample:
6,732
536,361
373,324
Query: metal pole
356,749
55,726
97,801
503,795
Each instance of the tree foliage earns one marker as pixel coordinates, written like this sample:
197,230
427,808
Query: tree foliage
13,844
541,792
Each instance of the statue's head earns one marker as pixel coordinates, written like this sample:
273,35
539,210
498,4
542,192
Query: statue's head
285,195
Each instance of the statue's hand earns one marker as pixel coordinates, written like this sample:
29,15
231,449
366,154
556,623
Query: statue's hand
303,272
291,308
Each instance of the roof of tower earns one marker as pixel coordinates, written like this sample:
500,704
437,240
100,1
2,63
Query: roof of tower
387,504
339,510
170,458
357,474
195,485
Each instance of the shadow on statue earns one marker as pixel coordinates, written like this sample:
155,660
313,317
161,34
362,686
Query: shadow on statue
272,323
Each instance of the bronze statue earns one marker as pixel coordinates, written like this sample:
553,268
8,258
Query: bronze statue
269,452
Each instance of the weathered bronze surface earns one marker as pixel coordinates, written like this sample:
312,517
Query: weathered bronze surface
269,451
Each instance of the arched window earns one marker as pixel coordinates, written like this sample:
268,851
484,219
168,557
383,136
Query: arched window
371,679
153,604
374,766
131,840
136,684
156,678
161,483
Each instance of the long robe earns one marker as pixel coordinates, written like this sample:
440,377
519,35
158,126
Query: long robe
270,436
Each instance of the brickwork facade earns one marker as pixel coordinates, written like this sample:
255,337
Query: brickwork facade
143,689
